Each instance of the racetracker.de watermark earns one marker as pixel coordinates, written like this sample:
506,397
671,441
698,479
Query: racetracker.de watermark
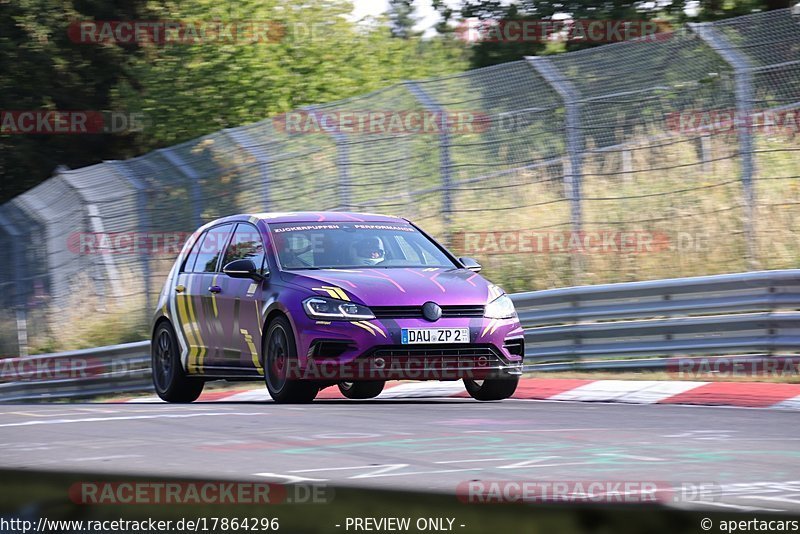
722,121
585,491
566,242
326,367
209,492
568,30
34,369
175,32
47,122
735,367
150,243
371,122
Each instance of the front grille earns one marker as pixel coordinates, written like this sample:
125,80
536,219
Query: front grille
434,357
403,351
415,312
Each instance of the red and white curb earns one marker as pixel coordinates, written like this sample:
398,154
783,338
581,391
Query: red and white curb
747,394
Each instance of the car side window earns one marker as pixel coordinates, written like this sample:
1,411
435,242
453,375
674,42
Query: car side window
211,249
191,258
246,243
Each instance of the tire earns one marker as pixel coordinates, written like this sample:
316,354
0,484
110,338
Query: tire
362,390
492,388
280,355
169,378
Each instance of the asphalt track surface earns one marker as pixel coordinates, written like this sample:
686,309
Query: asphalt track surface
720,458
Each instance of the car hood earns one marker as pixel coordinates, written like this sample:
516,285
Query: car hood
396,287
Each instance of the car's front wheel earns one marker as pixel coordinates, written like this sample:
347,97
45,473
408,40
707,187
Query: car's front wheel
169,378
362,390
492,388
280,358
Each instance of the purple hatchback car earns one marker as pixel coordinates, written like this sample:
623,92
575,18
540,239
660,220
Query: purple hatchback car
311,300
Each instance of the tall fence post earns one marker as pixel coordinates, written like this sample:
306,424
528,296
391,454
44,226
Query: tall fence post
193,179
573,174
743,83
144,225
246,142
19,295
445,164
342,160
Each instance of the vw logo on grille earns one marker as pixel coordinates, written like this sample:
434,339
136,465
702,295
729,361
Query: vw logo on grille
431,311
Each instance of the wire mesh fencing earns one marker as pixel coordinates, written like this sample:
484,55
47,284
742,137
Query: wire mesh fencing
672,155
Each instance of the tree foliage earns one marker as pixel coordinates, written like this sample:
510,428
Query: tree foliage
675,13
187,90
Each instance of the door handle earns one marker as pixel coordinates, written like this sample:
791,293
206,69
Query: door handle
215,289
179,289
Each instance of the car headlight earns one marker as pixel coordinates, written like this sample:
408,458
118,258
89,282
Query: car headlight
500,308
327,309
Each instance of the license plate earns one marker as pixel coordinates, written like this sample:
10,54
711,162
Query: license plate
412,336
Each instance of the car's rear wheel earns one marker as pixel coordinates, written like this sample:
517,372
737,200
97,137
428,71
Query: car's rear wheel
170,381
280,358
491,388
362,390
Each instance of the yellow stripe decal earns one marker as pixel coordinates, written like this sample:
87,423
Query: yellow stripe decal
374,327
252,346
486,329
214,295
183,317
258,318
336,292
330,291
368,329
201,350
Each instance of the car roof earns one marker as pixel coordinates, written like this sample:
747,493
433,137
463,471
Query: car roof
324,216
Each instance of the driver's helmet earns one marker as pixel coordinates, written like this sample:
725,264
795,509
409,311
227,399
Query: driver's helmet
369,251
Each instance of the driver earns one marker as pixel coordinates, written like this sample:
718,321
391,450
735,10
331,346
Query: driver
369,251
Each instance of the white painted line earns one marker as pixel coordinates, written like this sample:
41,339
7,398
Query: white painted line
473,460
741,507
101,458
776,499
119,418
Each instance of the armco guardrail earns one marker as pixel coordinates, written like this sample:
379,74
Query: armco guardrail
742,313
755,315
77,374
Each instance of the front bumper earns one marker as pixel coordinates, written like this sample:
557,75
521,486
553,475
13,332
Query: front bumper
345,351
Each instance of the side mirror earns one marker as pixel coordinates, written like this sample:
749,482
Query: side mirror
471,264
243,269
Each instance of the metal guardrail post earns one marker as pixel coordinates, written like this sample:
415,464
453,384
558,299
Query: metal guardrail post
743,81
194,183
573,176
245,141
445,163
144,223
19,296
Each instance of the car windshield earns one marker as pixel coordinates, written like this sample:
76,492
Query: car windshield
354,245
